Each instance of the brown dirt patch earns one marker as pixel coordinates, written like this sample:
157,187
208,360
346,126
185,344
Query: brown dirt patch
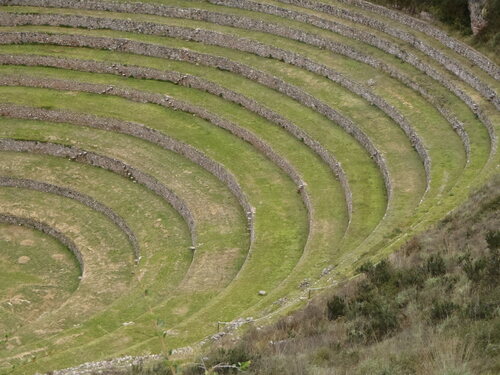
58,257
23,259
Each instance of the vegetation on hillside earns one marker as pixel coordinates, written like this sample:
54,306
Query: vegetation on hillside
455,13
431,308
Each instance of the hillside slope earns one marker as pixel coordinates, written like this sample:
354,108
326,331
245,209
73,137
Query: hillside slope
432,308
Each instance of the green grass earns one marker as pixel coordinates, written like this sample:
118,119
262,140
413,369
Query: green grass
99,252
446,163
169,264
24,289
366,185
186,294
484,48
282,240
174,90
385,57
186,179
311,122
159,244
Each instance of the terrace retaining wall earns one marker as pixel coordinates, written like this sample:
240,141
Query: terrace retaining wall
248,23
252,24
90,158
169,102
449,63
243,44
215,38
47,229
148,134
27,146
221,63
188,80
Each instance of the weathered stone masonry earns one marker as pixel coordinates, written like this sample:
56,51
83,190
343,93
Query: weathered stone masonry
348,51
23,146
47,229
228,41
264,50
449,63
169,102
222,63
148,134
193,82
90,158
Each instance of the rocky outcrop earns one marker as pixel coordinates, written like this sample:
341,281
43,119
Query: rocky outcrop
478,15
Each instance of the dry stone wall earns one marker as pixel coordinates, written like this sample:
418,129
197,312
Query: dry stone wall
90,158
47,229
26,146
461,48
390,48
253,47
356,55
169,102
193,82
221,63
145,133
248,23
449,63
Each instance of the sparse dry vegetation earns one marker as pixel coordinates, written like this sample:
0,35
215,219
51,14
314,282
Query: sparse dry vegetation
433,307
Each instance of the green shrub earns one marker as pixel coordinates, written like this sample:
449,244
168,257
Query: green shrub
485,269
414,276
322,356
378,274
451,12
280,365
492,268
153,368
373,319
493,240
336,308
435,265
472,268
441,310
383,320
231,356
480,310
